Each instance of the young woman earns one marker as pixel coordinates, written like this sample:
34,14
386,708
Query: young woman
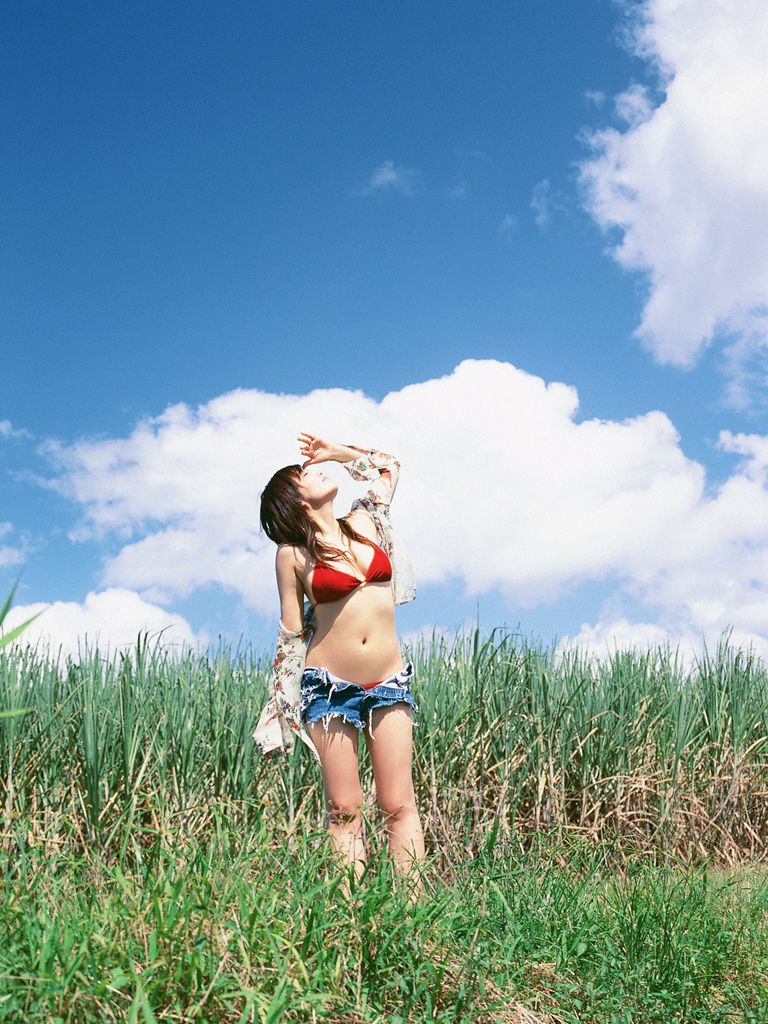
339,670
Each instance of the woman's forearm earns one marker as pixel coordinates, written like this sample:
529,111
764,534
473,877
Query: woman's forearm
346,453
350,452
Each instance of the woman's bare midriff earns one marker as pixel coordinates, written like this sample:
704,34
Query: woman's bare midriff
356,636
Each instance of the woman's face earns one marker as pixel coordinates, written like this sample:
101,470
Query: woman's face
315,487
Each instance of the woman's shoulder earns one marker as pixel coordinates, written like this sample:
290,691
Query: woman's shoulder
290,555
286,551
362,521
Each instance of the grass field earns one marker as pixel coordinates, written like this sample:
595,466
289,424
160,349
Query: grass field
596,837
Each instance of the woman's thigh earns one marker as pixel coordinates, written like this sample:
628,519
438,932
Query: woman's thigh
337,747
389,737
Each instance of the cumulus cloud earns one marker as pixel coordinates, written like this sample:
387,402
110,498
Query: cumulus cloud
611,633
390,177
111,619
685,182
541,501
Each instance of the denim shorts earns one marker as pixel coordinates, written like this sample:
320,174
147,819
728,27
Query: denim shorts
325,696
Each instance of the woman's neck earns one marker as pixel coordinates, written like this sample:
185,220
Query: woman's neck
327,530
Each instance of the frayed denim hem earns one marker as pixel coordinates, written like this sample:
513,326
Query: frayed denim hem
325,719
354,719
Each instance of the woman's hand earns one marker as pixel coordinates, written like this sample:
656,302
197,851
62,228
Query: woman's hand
317,449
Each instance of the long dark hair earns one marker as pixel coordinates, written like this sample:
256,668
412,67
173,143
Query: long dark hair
285,521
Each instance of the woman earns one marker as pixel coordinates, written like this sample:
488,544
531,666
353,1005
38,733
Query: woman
339,670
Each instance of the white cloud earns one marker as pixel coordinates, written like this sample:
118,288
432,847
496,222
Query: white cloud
754,448
388,176
7,429
9,553
683,645
112,619
595,96
745,365
544,202
601,641
501,488
634,105
421,638
686,182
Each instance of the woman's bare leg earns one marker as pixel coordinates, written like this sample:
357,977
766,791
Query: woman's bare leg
338,751
391,750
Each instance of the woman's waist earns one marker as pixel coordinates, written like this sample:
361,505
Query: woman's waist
357,662
354,626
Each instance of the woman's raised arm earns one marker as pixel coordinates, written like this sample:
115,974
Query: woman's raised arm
382,469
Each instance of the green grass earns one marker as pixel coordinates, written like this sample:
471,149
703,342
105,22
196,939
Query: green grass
596,840
240,928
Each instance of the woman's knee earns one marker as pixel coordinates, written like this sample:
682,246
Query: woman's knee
394,807
344,810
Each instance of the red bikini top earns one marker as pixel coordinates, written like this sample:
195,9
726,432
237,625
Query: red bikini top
329,584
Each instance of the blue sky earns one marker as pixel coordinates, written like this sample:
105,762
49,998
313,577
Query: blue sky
287,199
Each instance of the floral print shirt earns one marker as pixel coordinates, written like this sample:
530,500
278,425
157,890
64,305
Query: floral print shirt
280,723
